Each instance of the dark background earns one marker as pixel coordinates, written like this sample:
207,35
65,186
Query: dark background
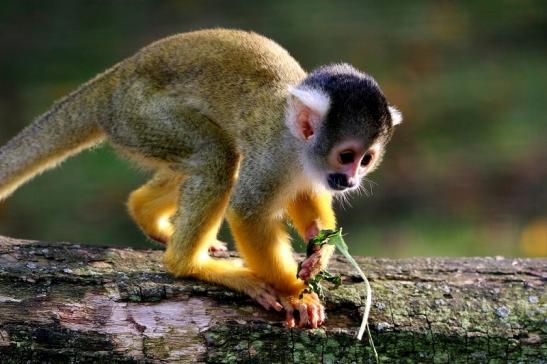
466,174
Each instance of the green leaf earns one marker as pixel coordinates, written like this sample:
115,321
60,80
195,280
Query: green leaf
319,240
334,237
314,284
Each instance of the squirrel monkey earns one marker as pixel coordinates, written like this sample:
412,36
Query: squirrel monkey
233,128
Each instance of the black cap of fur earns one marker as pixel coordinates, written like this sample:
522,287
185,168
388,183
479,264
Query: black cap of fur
358,107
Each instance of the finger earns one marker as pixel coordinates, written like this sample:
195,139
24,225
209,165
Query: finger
313,315
304,274
289,319
272,302
312,260
321,315
278,307
289,316
269,289
307,263
303,310
263,302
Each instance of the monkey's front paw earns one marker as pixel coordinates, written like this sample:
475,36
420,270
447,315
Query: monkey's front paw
309,308
310,267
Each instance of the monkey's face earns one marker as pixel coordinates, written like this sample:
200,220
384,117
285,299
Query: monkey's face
342,149
348,162
344,121
341,166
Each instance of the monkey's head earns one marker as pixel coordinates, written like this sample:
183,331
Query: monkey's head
343,121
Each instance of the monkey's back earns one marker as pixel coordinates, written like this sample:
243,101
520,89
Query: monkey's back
227,74
233,55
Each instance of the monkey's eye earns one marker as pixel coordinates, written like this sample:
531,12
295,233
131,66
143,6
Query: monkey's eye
367,158
346,157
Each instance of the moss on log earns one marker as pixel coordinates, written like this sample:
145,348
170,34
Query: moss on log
63,302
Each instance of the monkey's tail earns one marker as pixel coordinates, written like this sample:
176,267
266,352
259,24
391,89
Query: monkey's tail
69,127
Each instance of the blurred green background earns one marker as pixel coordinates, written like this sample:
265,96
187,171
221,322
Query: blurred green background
466,174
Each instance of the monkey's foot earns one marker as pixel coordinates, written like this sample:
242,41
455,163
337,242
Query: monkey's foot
311,266
265,295
309,308
217,247
225,272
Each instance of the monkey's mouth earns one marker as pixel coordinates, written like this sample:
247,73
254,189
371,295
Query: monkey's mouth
339,181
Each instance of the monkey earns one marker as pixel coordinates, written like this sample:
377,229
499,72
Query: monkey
232,128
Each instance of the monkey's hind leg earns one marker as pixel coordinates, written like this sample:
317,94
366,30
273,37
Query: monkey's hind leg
153,206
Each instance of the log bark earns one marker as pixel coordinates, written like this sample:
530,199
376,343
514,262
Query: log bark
63,302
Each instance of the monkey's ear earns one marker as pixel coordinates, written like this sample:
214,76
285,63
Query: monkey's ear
306,109
396,116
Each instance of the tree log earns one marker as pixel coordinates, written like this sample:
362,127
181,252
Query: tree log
63,302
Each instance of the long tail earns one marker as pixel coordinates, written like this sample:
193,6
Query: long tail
69,127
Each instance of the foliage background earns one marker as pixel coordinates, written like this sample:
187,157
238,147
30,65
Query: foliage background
466,174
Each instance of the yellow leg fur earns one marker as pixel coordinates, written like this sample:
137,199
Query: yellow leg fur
309,214
197,227
308,209
153,205
270,274
264,245
267,252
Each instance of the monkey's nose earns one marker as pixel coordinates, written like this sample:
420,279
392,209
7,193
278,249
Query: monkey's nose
339,181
